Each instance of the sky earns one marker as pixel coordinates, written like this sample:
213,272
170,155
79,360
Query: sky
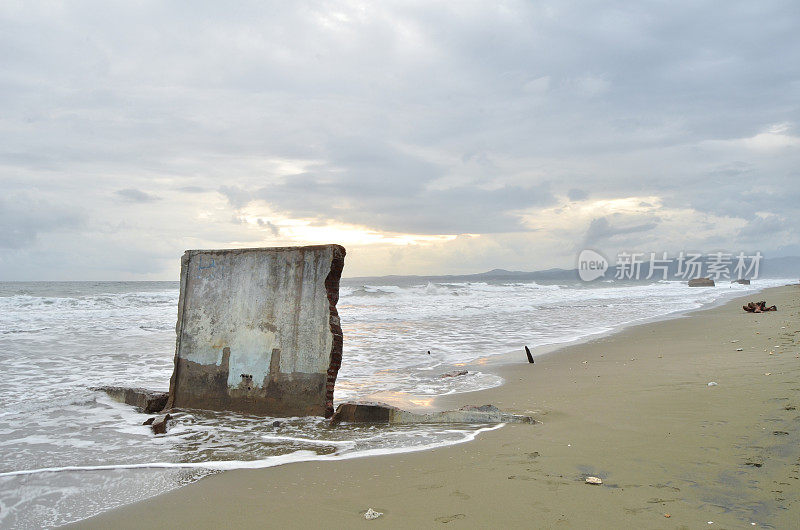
425,137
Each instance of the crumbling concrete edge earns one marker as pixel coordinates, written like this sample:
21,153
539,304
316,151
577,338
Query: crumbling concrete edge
178,328
149,401
332,288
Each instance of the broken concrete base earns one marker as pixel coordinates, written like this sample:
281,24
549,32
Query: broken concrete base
159,424
149,401
370,412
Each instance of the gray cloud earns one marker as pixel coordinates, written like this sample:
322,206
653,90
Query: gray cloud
134,195
23,219
237,197
388,190
761,228
272,228
427,118
601,229
576,194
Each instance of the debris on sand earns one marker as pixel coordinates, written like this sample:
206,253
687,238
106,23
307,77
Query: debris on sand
596,481
528,354
758,307
371,514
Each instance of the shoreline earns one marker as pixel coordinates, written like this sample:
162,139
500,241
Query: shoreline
490,363
516,357
541,389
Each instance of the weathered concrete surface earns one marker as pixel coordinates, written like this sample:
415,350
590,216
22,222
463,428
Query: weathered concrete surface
149,401
701,282
370,412
258,330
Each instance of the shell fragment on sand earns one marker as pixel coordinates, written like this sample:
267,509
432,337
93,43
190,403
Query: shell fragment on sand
595,481
371,514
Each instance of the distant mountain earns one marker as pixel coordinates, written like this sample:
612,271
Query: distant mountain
785,267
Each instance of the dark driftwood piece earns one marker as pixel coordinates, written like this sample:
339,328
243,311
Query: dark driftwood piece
528,353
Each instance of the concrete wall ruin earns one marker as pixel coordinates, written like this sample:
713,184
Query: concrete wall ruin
258,331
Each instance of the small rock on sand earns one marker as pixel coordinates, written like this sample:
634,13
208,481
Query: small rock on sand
372,514
454,373
596,481
712,383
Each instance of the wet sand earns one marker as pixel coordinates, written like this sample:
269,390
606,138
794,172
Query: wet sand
633,408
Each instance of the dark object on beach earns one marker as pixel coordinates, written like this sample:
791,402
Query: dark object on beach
758,307
528,353
454,373
160,425
372,412
148,401
362,413
741,281
701,282
149,421
429,352
276,424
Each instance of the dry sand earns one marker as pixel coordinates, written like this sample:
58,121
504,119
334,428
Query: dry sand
633,408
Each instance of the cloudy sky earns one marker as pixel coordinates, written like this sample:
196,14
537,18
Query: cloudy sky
426,137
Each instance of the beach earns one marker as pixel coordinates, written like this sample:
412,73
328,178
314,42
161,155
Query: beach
635,408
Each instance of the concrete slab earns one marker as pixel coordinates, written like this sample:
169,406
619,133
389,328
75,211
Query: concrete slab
258,331
148,401
374,412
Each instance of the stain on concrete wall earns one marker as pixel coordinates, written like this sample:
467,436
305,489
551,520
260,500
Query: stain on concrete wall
258,330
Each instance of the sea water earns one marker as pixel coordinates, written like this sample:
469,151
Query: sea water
67,452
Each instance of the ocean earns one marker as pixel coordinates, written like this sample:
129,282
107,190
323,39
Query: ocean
67,452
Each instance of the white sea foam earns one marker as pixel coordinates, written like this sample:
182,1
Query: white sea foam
296,456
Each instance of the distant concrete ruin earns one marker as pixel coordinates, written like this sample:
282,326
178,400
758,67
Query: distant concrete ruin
258,331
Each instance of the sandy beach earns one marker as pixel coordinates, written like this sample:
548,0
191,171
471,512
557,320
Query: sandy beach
634,408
